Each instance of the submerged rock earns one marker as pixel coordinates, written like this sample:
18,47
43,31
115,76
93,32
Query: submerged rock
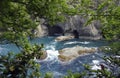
63,38
69,54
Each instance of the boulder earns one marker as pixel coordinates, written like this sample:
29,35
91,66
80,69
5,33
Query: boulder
63,38
43,55
69,54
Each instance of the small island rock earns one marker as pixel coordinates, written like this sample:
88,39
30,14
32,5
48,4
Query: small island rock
69,54
43,55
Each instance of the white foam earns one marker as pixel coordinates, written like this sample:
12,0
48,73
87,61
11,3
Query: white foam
96,67
51,46
96,62
52,55
75,42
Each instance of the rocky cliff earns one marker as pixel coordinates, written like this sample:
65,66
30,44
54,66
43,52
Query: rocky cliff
75,26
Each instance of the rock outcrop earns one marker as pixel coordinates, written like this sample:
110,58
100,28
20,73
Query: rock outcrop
64,38
43,55
74,26
76,23
40,31
69,54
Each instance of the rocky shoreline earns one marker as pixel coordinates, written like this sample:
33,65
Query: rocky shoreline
71,53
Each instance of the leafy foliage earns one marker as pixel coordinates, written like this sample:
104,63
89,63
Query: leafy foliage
21,65
18,19
15,21
75,75
106,11
48,75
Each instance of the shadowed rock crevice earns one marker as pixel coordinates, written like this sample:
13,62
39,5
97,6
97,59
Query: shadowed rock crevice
55,30
76,34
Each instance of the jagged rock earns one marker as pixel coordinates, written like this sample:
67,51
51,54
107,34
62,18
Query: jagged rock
73,25
63,38
91,31
40,31
69,54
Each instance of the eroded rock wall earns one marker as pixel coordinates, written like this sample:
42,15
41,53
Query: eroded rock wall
74,23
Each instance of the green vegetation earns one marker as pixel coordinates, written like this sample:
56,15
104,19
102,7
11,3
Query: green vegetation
107,12
18,18
109,15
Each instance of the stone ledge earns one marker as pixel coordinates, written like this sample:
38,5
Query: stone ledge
64,38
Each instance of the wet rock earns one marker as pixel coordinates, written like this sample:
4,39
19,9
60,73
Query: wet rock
103,48
43,55
63,38
69,54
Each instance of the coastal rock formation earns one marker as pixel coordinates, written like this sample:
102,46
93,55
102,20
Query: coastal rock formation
75,25
69,54
63,38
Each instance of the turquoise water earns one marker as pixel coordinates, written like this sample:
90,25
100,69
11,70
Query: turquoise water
52,64
69,43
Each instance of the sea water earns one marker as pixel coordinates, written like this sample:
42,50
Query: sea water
53,64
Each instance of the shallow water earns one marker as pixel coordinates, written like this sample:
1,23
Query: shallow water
52,64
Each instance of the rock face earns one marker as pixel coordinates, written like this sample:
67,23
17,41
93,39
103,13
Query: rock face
75,26
76,23
69,54
63,38
40,31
